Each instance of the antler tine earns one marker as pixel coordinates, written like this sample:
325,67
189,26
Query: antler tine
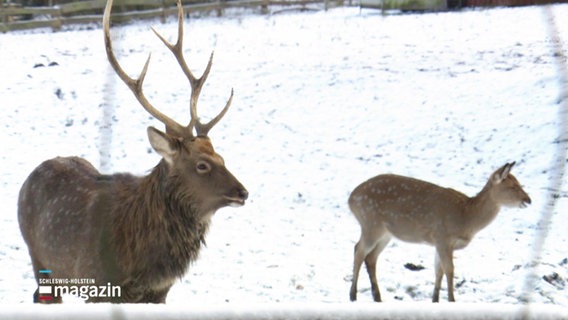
135,85
195,83
203,129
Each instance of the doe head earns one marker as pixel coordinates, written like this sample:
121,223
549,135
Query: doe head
506,189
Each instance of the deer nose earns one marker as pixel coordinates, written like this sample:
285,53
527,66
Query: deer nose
243,193
526,201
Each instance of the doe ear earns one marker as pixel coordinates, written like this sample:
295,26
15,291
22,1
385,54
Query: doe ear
163,143
503,172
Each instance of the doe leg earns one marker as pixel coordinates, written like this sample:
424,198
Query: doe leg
359,256
445,262
371,265
438,281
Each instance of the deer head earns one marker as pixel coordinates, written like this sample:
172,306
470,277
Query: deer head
188,155
506,188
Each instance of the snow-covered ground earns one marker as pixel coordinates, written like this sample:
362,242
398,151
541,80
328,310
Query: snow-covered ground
323,101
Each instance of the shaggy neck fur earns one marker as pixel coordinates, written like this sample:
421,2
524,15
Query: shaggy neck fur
158,231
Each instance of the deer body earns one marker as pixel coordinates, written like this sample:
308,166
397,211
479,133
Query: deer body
417,211
140,233
78,235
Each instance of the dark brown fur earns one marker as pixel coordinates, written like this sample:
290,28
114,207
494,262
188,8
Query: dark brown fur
137,232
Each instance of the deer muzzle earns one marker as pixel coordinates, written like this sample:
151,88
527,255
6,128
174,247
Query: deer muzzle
237,200
525,203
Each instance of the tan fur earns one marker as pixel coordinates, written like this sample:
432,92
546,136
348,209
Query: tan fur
203,145
417,211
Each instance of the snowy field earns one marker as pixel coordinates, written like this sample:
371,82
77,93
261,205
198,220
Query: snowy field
323,101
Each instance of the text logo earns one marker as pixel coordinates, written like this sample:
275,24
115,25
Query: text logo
82,288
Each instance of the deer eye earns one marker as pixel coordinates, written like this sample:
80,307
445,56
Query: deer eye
203,167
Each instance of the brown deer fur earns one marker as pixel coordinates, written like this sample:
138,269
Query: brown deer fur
139,233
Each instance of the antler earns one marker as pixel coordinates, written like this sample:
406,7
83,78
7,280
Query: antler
196,84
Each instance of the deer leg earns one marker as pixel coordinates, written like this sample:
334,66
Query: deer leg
36,267
445,262
51,299
450,280
371,265
153,296
359,256
438,282
36,296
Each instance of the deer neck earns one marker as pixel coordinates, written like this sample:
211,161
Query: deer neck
481,210
162,230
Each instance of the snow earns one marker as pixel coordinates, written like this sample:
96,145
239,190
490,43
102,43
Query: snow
323,101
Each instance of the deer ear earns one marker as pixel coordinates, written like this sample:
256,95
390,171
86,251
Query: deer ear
162,143
502,172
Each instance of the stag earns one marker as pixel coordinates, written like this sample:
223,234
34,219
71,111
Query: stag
417,211
140,233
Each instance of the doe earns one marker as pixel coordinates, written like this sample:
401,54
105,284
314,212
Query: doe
417,211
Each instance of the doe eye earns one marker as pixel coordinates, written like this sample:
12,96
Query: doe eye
203,167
